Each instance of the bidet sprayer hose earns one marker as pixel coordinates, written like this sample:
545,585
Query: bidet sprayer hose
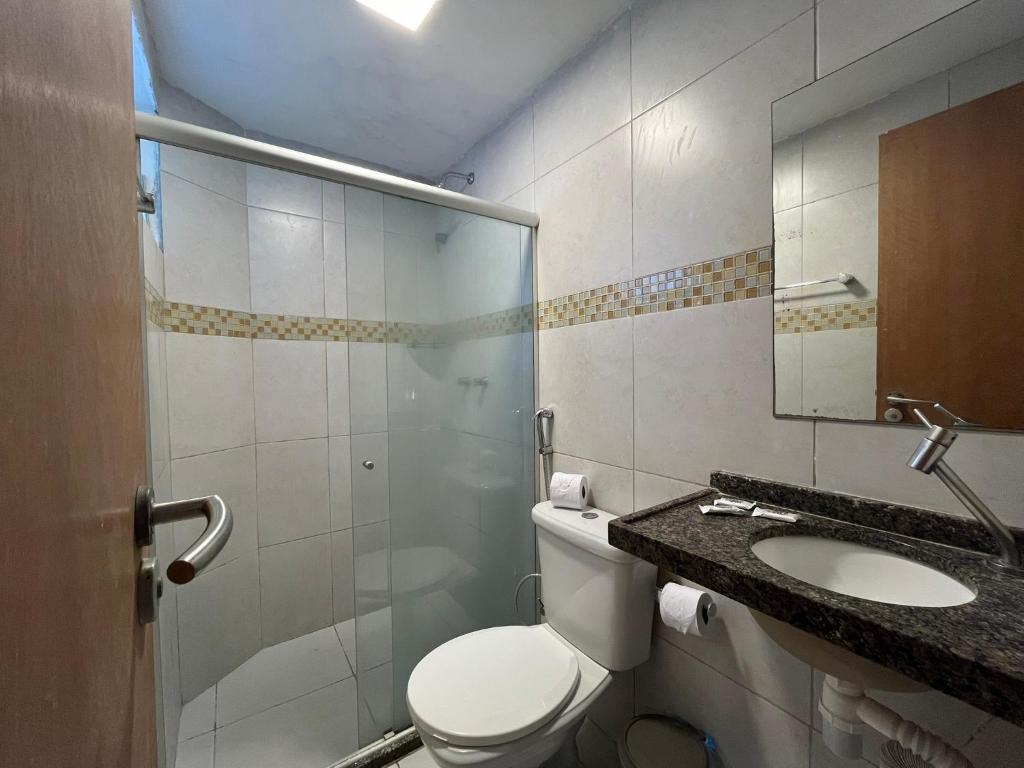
922,743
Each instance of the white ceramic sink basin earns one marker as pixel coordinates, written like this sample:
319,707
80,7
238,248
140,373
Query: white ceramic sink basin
860,571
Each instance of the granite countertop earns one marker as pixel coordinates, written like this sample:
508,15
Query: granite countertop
974,652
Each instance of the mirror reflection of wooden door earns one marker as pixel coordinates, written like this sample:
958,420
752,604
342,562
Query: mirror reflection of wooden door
951,260
76,668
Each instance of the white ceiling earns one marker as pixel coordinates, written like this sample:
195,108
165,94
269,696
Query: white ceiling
335,74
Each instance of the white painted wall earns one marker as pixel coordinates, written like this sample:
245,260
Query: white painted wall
653,149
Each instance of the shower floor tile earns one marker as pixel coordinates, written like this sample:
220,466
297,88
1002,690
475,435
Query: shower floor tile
312,731
292,705
281,673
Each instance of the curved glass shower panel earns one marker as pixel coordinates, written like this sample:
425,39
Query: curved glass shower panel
460,400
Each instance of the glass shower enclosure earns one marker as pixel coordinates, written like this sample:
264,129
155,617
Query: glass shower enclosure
351,366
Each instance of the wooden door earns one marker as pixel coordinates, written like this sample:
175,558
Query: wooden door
76,669
951,260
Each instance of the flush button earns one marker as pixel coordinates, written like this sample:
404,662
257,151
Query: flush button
589,515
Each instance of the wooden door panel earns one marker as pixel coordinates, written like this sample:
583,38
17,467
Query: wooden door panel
951,260
76,669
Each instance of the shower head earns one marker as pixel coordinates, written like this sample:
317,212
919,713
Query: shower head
469,178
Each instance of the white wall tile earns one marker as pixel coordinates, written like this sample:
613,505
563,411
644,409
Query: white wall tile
749,730
286,260
649,490
850,29
842,154
335,271
586,240
334,201
997,745
156,399
152,257
217,174
611,488
364,208
374,638
364,259
584,376
368,395
295,595
787,174
206,253
231,475
987,74
370,486
219,623
840,234
789,255
702,176
738,648
338,422
789,373
503,161
284,191
585,101
344,579
839,370
870,460
290,379
293,490
340,451
706,404
675,43
209,390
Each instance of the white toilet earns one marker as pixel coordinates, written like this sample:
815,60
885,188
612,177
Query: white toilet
511,697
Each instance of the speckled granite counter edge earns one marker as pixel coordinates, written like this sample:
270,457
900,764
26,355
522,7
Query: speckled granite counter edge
885,638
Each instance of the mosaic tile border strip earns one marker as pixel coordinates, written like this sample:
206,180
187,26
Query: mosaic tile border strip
741,276
180,317
827,317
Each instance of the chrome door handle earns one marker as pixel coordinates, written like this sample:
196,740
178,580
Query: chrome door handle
211,541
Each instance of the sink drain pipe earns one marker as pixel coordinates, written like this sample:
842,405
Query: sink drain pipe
846,709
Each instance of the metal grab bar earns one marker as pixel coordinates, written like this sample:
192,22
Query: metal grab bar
210,542
842,277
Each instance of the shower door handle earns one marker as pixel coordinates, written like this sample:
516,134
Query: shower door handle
149,514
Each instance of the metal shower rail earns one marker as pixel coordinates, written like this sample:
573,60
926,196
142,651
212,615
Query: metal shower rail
188,136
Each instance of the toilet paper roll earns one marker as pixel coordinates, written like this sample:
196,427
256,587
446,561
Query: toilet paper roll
685,609
569,491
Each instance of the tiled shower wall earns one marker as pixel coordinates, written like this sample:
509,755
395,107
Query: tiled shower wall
282,379
270,424
649,152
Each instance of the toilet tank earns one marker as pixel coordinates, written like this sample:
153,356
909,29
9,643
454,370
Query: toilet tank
597,597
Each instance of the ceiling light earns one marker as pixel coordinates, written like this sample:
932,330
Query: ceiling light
408,13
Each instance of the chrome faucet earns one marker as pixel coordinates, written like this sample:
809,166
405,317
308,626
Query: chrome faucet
928,458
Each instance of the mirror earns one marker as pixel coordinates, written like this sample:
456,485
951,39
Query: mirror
899,230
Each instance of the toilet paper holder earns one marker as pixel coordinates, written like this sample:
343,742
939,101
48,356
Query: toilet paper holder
707,612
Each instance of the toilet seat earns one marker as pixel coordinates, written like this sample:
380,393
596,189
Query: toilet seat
493,686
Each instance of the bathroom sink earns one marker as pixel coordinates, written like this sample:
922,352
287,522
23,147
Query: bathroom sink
860,571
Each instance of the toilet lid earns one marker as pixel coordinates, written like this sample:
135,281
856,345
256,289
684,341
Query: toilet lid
492,686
